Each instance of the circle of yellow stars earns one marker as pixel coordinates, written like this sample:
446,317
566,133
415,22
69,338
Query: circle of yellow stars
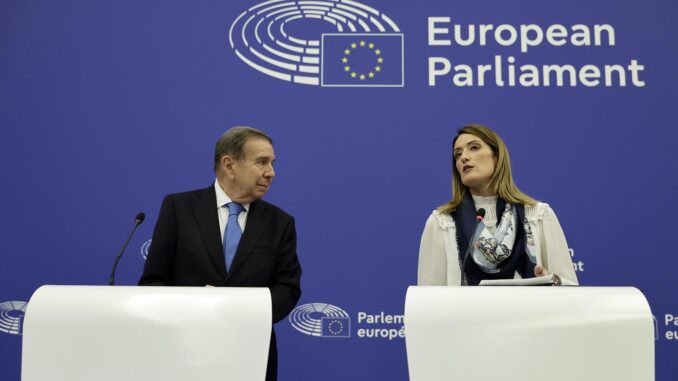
359,75
335,327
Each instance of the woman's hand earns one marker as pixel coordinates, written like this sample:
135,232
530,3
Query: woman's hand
540,271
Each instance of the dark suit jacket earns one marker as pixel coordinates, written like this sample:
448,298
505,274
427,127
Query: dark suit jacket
187,249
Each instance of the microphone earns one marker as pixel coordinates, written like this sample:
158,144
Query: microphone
479,217
137,221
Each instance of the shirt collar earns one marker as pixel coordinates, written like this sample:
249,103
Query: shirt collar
223,199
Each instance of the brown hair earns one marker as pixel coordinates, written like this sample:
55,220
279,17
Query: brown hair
502,179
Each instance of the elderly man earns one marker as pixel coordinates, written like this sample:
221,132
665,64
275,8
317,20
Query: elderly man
226,236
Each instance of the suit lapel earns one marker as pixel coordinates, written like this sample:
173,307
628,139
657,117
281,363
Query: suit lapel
254,227
207,219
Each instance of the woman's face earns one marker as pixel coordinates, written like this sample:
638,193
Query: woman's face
475,163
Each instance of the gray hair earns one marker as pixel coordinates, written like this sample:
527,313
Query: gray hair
232,143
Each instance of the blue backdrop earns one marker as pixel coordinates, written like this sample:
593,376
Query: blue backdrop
107,106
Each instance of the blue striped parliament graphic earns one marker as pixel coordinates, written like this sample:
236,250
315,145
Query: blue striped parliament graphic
265,38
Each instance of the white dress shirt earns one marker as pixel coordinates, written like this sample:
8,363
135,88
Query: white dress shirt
222,210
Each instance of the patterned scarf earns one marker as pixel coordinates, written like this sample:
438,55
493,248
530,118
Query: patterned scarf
498,255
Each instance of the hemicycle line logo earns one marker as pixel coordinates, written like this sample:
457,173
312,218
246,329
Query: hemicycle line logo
12,317
321,320
145,247
364,48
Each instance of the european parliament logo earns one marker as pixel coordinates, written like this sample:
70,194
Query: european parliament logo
145,247
12,317
321,320
330,43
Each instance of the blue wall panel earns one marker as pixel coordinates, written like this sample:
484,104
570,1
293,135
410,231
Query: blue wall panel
107,106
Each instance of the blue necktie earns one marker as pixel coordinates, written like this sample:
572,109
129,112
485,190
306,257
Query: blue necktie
233,233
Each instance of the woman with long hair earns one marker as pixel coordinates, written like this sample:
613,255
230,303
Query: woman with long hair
519,237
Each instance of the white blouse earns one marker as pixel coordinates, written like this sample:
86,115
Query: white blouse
439,255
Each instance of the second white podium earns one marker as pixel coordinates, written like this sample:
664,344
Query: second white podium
528,333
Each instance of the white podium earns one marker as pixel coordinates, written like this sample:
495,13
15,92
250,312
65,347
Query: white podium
103,333
528,333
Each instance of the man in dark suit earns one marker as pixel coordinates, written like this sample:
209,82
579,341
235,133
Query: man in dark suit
226,236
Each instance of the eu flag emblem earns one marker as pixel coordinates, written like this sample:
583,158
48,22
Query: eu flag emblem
336,326
362,60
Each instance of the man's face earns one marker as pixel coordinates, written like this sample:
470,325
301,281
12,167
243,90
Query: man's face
252,176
